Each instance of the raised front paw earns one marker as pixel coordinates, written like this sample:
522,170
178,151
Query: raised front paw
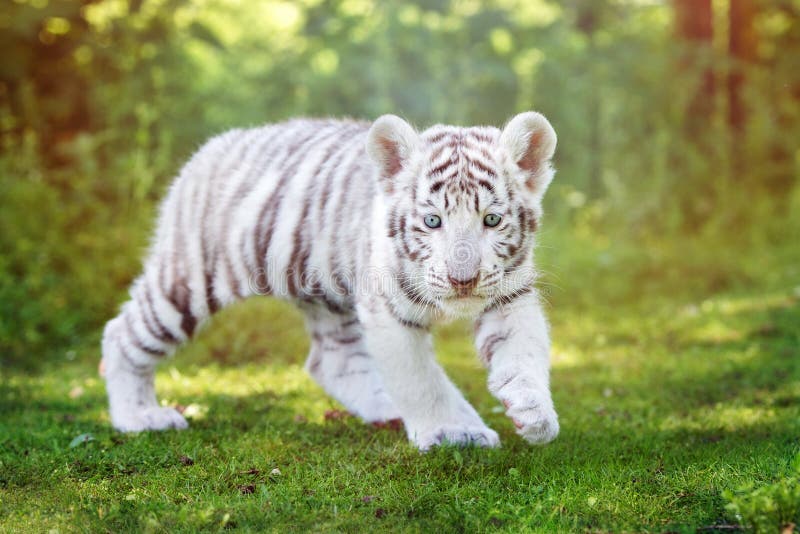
154,418
535,418
456,434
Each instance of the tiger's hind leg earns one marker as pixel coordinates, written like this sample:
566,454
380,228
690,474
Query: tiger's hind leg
340,363
148,328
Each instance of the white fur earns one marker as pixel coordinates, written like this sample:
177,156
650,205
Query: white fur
341,203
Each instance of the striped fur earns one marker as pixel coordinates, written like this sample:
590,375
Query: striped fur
330,214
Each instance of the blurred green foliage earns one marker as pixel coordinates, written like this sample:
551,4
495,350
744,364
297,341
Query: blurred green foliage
101,101
769,508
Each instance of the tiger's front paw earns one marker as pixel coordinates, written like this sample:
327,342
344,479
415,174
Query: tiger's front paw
456,434
151,418
533,415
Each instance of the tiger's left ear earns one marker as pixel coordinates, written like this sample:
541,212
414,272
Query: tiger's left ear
530,141
390,143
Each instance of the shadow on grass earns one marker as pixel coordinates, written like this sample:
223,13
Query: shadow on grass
340,462
669,430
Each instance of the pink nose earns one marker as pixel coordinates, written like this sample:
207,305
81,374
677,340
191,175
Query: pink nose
464,286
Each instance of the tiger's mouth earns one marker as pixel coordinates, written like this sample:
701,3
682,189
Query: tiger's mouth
465,292
463,306
465,297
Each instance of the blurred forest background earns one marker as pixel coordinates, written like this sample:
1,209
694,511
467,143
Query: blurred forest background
678,127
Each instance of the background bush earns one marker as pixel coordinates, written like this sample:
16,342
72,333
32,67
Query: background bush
678,155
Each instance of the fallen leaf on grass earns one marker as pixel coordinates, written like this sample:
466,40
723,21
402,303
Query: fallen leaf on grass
380,512
79,440
332,415
247,489
251,471
391,424
185,460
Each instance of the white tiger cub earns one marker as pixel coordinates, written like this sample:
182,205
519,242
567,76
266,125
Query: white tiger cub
377,232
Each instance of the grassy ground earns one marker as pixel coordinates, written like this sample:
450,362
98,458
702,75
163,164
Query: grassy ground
666,403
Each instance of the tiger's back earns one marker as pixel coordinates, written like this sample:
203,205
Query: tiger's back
275,211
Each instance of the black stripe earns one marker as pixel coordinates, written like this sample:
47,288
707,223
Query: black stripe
437,185
255,172
301,250
399,318
486,185
272,206
480,137
263,236
403,235
437,152
212,303
331,305
180,298
137,369
483,167
411,293
348,340
352,373
519,260
208,257
149,350
507,299
138,342
441,168
163,332
439,136
169,262
343,208
489,345
234,283
406,322
340,205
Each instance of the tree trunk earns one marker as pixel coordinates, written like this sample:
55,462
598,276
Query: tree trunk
694,23
742,43
695,154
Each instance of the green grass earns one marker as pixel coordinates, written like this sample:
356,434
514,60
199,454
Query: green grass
667,404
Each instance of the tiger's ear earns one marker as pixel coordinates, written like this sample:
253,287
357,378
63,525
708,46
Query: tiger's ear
530,141
390,143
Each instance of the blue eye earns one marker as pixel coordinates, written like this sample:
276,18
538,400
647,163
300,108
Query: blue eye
492,220
433,221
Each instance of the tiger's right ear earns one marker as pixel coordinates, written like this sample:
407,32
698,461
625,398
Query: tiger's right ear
390,143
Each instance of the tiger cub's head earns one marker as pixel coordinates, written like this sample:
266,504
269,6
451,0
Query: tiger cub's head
462,207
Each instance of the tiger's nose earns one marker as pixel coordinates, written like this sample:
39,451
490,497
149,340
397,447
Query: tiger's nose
464,287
